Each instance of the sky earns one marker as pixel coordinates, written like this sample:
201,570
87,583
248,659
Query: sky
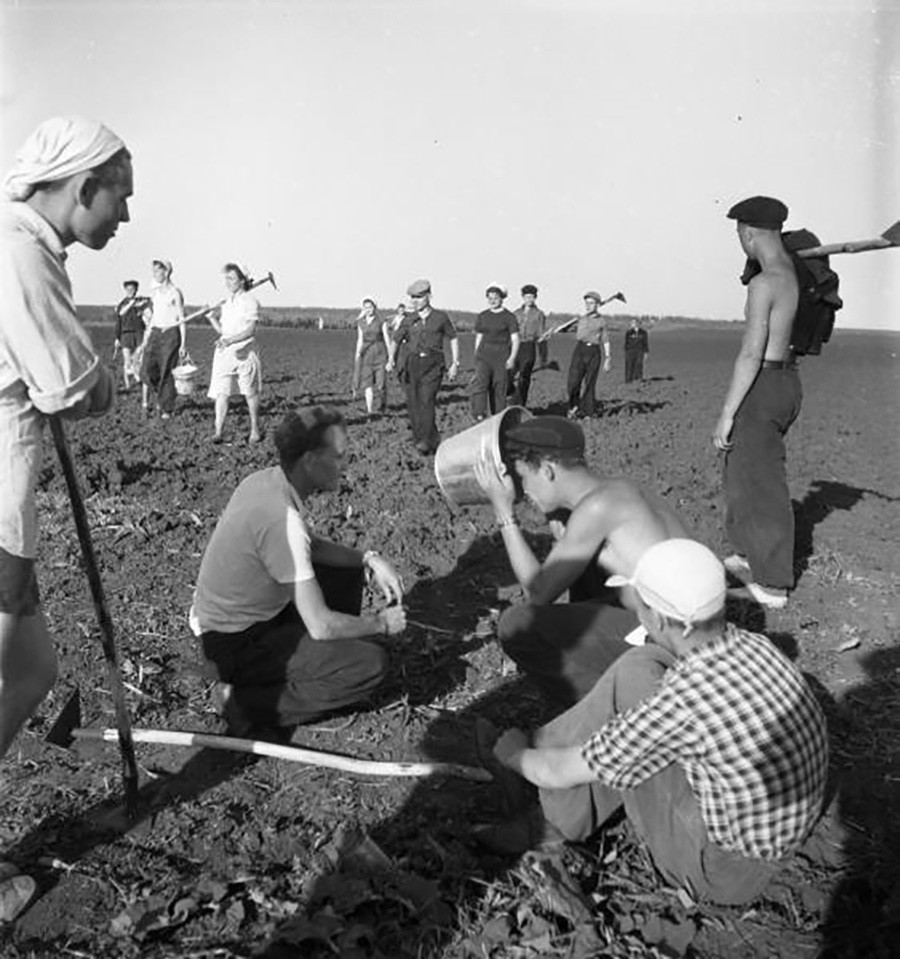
351,147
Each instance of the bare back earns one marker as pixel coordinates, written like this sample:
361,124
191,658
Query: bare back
774,293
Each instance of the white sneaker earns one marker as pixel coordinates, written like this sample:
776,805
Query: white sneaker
770,598
736,564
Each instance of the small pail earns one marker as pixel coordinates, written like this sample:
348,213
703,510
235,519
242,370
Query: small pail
454,461
185,376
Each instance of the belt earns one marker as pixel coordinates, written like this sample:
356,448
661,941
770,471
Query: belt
789,364
428,353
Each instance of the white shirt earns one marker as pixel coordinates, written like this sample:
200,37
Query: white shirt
259,549
240,313
168,306
47,362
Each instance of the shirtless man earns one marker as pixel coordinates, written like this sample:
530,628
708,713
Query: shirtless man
565,648
762,402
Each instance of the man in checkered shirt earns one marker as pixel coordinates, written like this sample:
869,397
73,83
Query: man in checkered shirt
710,738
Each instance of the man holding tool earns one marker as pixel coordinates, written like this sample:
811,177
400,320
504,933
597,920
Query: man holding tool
277,608
762,402
70,183
708,736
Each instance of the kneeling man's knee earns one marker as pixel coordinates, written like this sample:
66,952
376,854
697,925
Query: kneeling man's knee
516,623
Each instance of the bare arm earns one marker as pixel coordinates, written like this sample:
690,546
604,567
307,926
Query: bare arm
749,360
514,350
326,624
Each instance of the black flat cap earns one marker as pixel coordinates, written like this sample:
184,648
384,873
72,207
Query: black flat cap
764,212
546,434
529,288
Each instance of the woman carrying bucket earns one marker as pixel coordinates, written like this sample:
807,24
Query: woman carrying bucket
496,346
236,367
373,343
163,341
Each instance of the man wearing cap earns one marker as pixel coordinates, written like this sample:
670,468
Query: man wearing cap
423,331
591,336
70,184
130,330
532,326
496,348
609,524
762,402
708,735
277,608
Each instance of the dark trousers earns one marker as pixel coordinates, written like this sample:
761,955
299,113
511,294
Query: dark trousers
281,676
522,373
543,353
634,366
424,377
663,809
160,358
759,519
489,381
564,648
584,367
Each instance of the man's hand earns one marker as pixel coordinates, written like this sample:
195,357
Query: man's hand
498,486
508,747
722,434
385,576
607,364
510,363
454,369
557,529
394,619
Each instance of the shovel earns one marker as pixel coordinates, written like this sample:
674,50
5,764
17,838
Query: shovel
67,729
890,237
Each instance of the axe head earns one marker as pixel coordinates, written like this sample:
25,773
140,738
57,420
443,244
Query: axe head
621,296
271,279
892,234
69,719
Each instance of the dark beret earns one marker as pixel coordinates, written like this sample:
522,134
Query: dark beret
764,212
529,288
546,434
133,283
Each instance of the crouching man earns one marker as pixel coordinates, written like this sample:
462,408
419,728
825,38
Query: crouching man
277,609
710,738
609,523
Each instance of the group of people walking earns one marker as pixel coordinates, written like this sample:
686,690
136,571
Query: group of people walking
708,737
151,336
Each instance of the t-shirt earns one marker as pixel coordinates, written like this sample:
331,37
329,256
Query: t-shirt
240,313
496,327
426,335
259,549
47,362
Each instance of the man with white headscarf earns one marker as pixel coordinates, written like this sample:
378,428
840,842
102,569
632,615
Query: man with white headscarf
70,183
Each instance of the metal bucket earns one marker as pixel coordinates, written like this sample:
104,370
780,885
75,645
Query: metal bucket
454,461
185,377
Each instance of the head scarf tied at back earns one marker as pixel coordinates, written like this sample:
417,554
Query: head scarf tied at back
59,148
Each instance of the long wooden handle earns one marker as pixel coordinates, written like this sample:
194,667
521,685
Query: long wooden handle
208,309
852,246
107,639
296,754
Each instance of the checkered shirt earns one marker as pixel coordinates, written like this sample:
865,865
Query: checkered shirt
741,721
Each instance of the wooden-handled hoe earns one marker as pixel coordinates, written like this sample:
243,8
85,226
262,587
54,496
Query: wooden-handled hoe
890,237
268,278
67,729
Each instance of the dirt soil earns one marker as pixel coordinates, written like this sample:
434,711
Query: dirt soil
240,856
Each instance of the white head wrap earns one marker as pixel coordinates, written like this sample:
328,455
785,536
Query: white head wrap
59,148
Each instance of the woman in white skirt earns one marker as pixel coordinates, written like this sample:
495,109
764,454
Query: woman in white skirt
236,367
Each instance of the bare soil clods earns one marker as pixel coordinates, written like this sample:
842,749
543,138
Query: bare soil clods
236,857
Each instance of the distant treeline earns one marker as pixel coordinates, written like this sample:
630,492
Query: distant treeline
338,318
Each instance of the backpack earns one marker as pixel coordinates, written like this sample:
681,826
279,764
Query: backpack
818,301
